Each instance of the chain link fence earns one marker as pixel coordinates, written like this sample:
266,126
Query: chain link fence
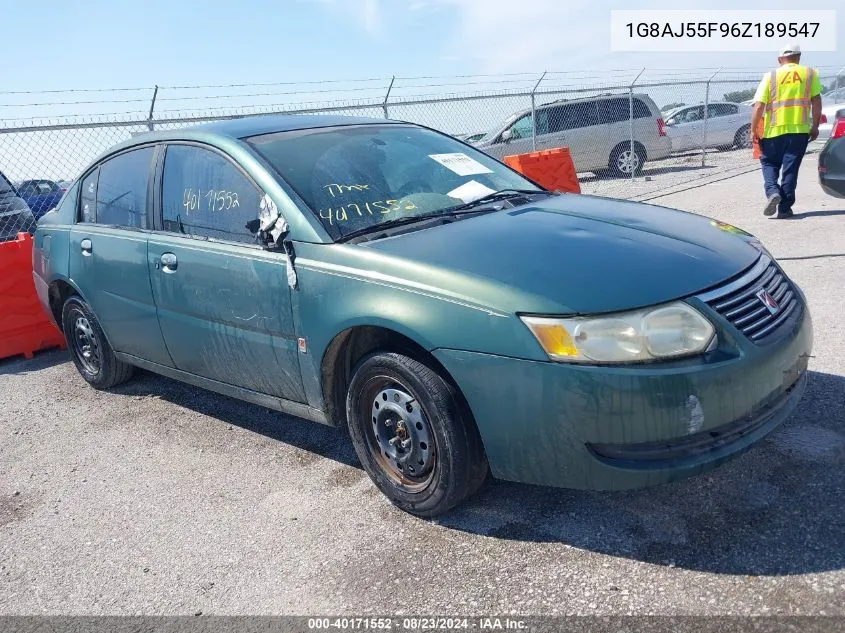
633,134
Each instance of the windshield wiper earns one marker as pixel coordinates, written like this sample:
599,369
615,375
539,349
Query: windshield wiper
391,224
448,212
493,196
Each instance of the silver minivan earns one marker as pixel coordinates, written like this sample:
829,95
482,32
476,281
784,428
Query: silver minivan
596,130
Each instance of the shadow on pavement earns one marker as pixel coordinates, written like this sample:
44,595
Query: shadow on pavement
329,442
41,360
800,215
776,510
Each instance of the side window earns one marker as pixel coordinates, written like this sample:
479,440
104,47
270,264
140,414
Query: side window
523,127
721,109
691,115
641,110
205,195
573,116
88,199
28,189
122,189
613,110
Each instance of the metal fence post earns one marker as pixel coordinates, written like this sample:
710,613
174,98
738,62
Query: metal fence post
631,121
706,117
534,113
150,125
387,96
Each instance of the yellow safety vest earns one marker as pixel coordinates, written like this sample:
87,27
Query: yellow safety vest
788,110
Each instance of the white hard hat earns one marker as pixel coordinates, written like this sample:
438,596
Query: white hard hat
790,49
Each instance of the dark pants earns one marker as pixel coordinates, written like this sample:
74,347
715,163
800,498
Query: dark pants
781,157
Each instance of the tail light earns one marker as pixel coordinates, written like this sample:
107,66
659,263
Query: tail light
823,119
838,128
661,127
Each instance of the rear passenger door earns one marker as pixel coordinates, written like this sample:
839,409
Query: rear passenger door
108,253
223,302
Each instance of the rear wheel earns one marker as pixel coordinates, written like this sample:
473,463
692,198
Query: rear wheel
91,352
742,139
413,434
624,162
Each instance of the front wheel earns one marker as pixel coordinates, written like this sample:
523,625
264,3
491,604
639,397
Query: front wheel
413,434
91,352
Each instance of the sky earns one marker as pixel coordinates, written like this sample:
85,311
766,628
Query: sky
276,54
114,43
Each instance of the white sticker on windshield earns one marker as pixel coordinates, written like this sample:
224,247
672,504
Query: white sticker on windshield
461,164
469,191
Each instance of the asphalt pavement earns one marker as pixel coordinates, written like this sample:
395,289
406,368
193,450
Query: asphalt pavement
160,498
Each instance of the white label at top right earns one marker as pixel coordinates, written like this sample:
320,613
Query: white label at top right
722,31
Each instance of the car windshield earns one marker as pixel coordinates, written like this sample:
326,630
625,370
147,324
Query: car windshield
357,177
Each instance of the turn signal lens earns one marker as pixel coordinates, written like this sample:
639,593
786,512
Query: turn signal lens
553,337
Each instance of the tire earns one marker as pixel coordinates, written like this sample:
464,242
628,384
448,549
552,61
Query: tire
414,435
742,139
91,352
622,161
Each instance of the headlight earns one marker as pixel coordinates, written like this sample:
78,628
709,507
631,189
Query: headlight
667,331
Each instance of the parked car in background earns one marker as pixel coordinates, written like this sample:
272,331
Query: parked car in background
458,319
832,158
40,195
728,126
15,215
596,130
832,102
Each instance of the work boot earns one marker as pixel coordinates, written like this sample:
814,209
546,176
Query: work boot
772,204
784,210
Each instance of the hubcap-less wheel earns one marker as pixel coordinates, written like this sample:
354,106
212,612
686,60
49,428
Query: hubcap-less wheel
400,436
627,161
85,344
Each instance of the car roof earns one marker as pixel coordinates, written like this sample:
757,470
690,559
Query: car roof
243,127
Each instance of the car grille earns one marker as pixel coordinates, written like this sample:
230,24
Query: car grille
739,301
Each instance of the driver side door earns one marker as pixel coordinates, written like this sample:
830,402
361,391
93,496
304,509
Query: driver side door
223,301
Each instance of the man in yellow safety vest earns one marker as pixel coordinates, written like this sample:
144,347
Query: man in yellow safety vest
789,102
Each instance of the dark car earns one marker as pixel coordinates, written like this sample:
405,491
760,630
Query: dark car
15,215
457,318
41,195
832,159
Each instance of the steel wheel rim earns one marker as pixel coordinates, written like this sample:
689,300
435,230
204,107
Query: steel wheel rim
398,434
627,161
85,345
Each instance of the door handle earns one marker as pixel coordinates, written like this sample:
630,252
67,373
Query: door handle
168,262
86,247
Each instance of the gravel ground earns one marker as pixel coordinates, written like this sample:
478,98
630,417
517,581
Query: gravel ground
159,498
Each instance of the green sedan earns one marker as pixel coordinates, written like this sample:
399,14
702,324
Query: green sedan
462,322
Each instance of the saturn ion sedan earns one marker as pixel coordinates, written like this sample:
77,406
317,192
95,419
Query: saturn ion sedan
462,322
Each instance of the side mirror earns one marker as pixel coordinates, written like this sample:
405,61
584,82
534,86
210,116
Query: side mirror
273,230
507,136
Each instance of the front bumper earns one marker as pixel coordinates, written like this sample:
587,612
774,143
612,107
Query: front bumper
612,428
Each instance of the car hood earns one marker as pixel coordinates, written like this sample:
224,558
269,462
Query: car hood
582,254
